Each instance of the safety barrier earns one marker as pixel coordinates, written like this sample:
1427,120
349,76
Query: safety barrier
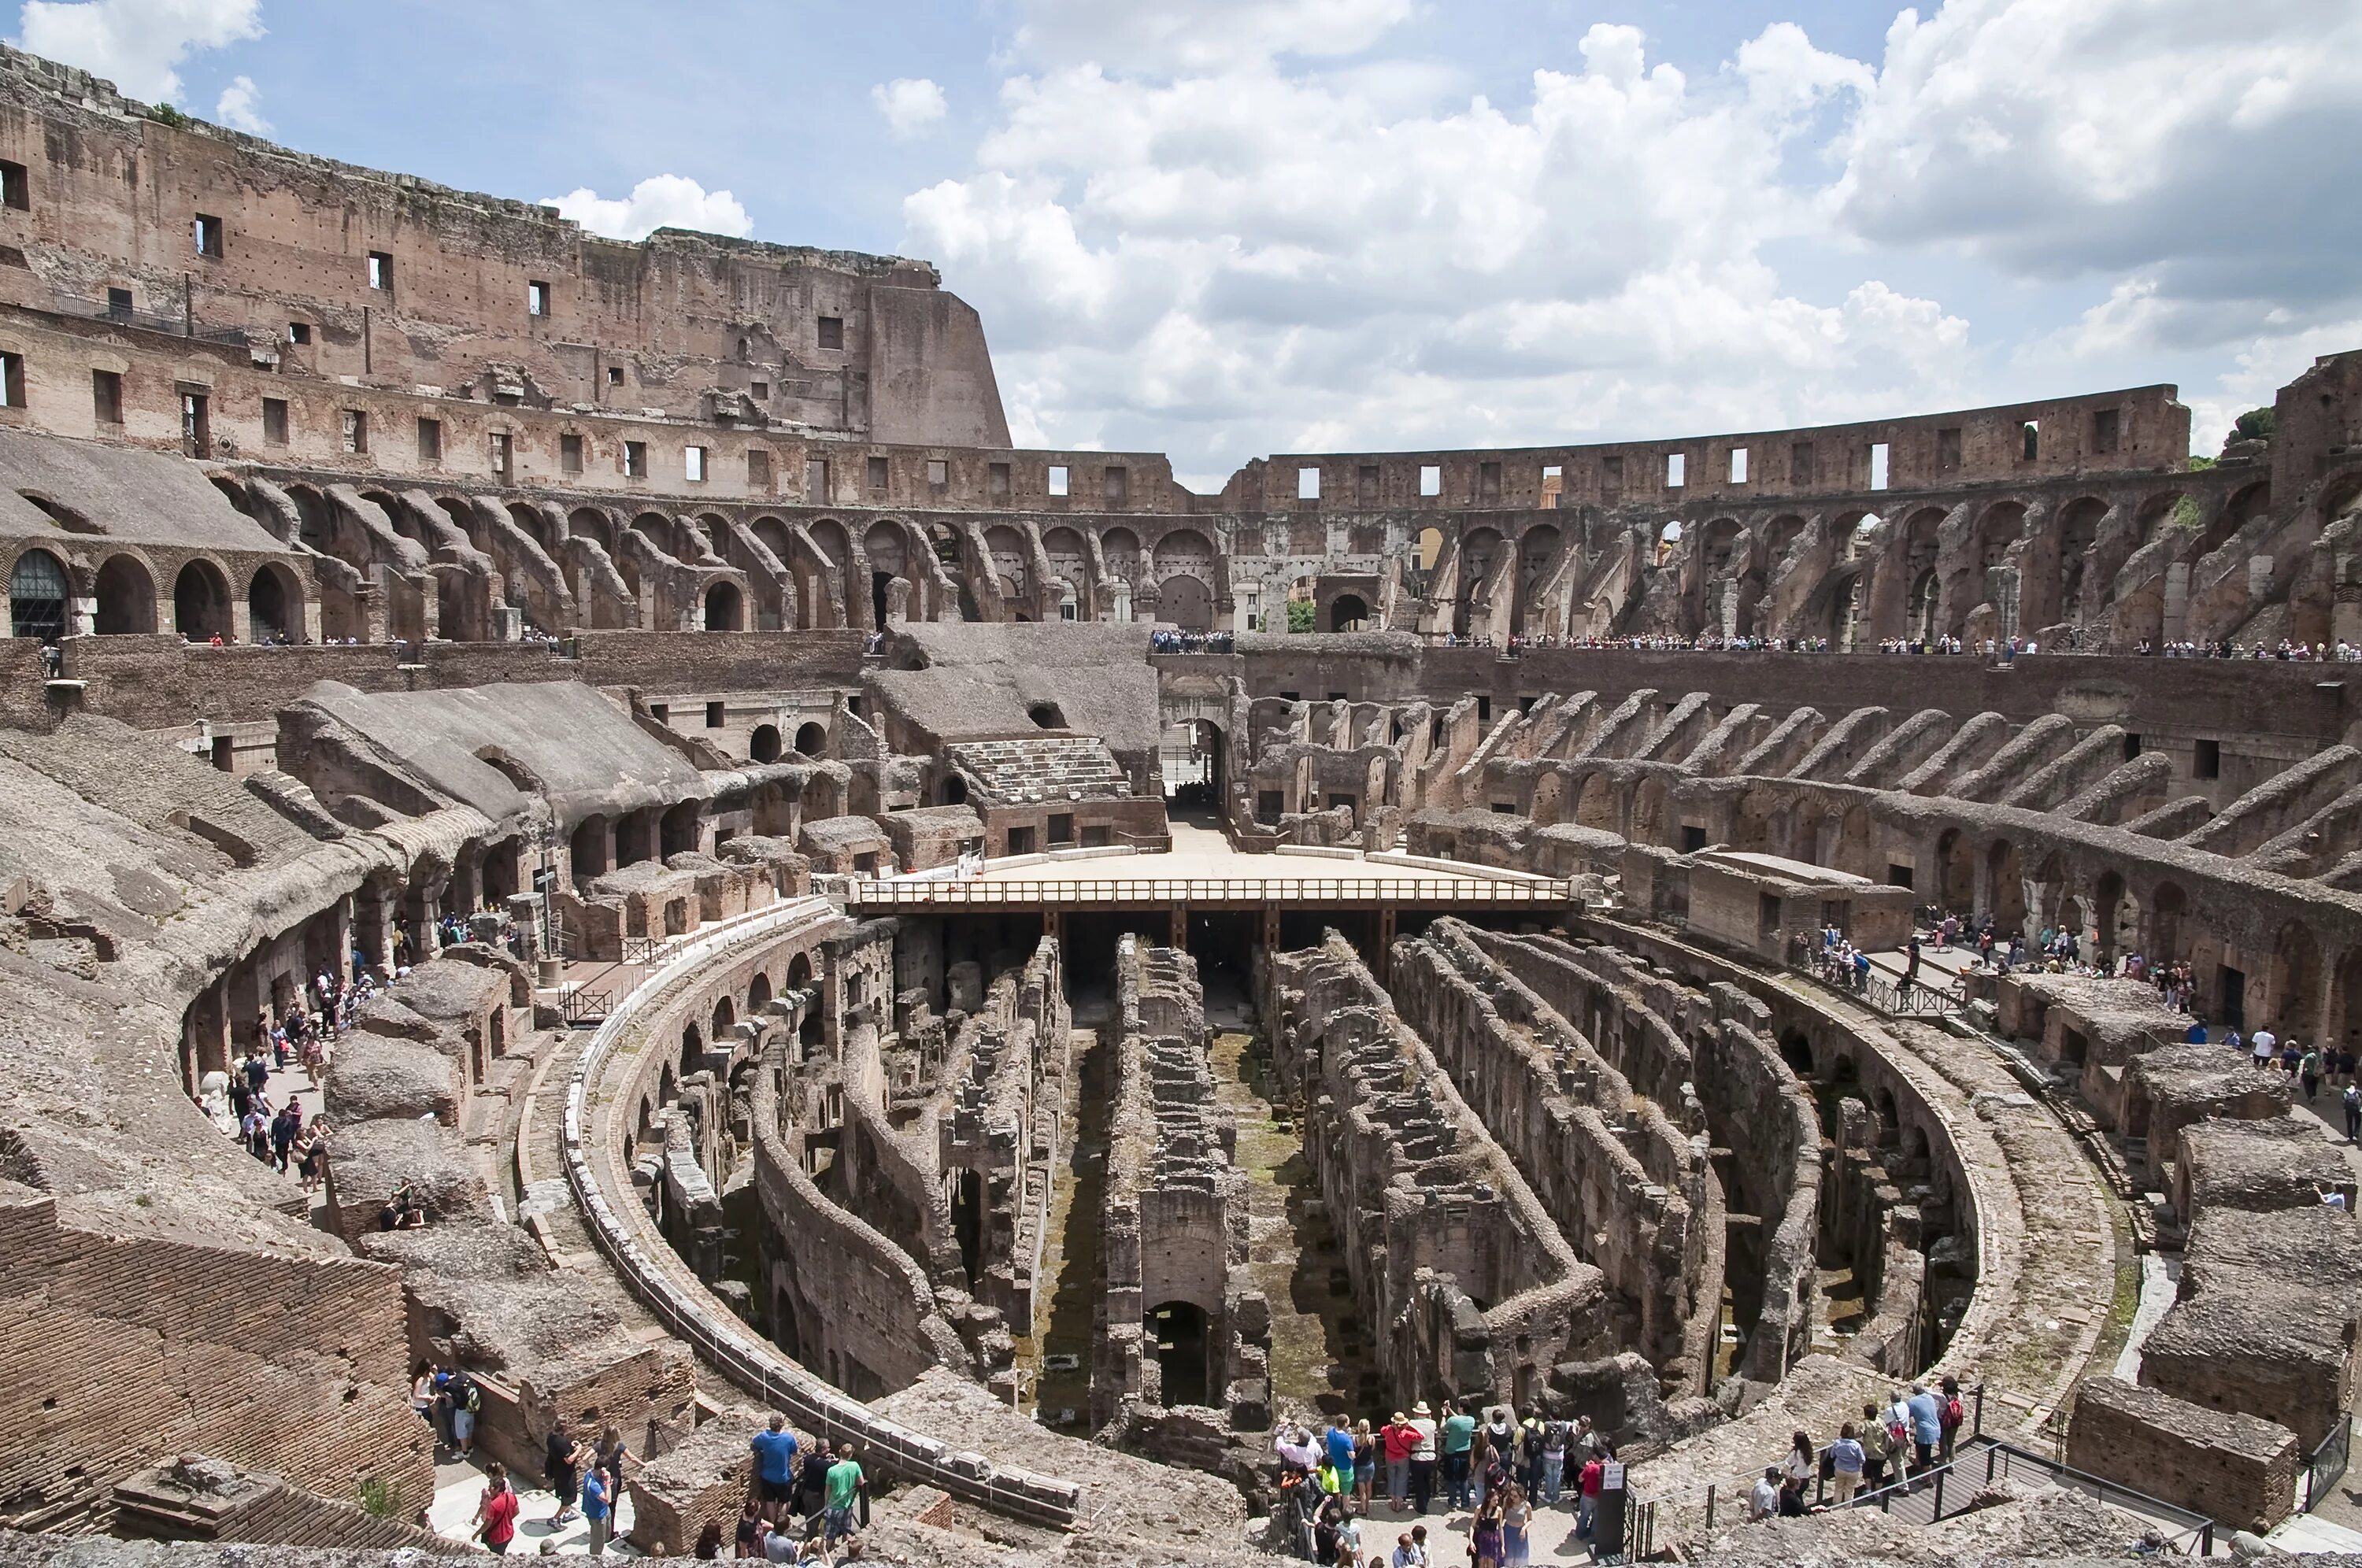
1464,893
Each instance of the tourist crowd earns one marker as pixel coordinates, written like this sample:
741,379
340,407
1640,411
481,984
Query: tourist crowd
1908,1436
1162,641
1495,1466
2341,652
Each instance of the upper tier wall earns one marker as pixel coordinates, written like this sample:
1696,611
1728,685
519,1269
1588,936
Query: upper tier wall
472,290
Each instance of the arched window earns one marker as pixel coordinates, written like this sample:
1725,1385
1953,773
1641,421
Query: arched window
37,596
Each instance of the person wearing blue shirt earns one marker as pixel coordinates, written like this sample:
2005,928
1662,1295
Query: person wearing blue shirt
1341,1446
1927,1424
595,1511
774,1463
2196,1035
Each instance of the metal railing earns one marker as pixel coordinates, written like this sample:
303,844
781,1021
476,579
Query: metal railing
1164,892
2326,1467
1893,996
146,320
1937,1493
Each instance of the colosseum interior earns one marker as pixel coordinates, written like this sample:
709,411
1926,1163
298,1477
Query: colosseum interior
870,923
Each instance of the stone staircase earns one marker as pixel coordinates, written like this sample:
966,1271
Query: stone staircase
1053,768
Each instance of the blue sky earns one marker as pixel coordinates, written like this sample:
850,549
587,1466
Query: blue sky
1231,228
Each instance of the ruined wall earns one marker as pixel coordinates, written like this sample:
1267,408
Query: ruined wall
127,1349
1635,1189
1176,1227
1433,1216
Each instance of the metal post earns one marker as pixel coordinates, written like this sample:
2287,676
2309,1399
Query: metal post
1709,1504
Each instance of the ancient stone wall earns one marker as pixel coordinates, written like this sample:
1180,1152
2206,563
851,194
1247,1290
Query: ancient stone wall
1433,1216
123,1348
1175,1228
1635,1191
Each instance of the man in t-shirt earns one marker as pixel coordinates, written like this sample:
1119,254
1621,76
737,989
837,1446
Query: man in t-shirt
562,1461
843,1491
1763,1502
775,1466
1339,1441
1459,1437
595,1510
2263,1046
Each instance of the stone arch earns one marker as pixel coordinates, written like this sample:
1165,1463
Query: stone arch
763,746
1046,716
758,993
1856,846
274,603
1347,612
1955,873
2079,529
1597,806
725,608
2007,872
2114,919
811,739
1920,617
1479,547
38,596
201,603
2161,938
1120,549
1649,815
2295,981
1536,547
725,1016
693,1050
127,597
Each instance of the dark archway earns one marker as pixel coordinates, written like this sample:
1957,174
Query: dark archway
763,746
272,611
1046,716
200,603
126,597
1347,613
810,739
1178,1329
725,1018
725,608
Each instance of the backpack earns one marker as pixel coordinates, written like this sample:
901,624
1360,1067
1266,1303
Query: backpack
1951,1415
468,1396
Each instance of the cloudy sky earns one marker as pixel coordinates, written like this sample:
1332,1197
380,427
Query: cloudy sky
1230,228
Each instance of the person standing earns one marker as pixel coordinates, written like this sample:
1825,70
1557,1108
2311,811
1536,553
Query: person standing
1422,1456
1459,1441
1400,1439
562,1462
1845,1462
496,1510
1763,1497
1926,1426
2352,1100
775,1467
597,1509
844,1483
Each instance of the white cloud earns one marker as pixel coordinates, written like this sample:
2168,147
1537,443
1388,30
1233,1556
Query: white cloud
240,107
662,201
1246,258
910,105
2062,137
1154,36
136,44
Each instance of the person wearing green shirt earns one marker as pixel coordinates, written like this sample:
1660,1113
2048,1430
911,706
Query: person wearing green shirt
1459,1435
843,1489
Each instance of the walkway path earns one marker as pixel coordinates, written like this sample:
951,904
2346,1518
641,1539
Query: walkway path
1319,1356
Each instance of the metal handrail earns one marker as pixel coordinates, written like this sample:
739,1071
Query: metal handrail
1217,889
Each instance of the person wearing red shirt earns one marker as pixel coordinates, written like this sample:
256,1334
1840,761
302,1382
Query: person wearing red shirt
1400,1438
496,1510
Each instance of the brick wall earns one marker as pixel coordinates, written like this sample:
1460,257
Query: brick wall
136,1349
2237,1470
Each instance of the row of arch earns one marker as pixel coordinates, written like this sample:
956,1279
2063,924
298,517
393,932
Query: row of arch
122,591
